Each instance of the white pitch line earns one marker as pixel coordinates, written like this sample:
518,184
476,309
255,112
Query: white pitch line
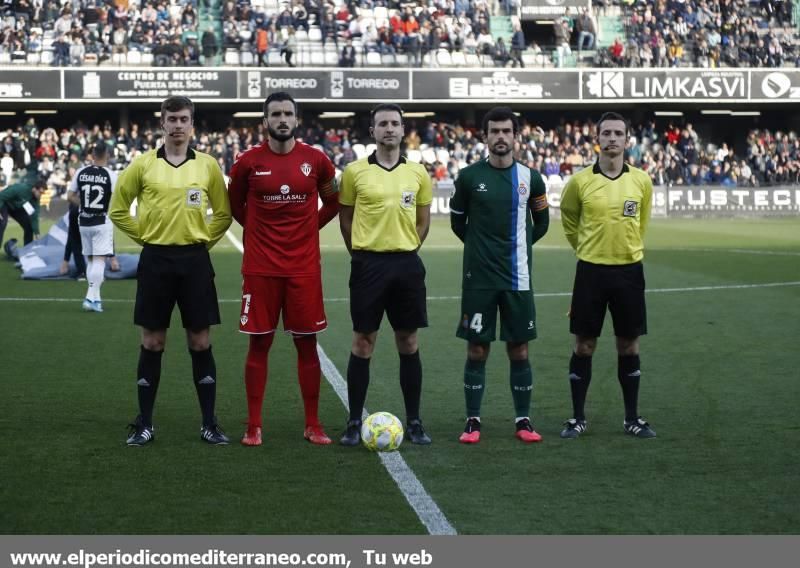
452,298
734,251
423,504
236,242
757,252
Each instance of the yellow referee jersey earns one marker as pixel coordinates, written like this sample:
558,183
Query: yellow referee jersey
172,200
385,201
605,219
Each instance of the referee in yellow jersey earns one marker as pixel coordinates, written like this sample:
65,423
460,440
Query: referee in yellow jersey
174,186
385,216
605,210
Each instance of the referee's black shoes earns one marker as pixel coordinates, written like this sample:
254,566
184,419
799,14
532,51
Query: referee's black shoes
139,434
213,434
639,428
352,434
416,433
573,428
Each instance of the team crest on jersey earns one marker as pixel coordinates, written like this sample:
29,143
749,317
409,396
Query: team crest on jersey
630,208
407,199
194,197
522,188
285,189
243,319
305,167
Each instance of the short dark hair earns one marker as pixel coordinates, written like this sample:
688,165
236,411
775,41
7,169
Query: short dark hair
611,115
279,96
500,114
383,107
39,184
176,103
100,150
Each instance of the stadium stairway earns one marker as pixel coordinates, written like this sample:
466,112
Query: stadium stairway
611,27
796,14
211,15
500,27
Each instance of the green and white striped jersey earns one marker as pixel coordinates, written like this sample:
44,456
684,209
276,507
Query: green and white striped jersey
498,214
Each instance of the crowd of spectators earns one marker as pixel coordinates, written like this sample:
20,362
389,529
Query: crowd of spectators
76,32
355,29
706,33
658,33
672,154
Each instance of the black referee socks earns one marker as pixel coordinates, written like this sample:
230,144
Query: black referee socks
204,371
148,375
411,383
357,385
580,375
629,373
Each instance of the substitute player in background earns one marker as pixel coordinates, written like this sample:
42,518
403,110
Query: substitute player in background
605,210
499,209
385,217
274,191
175,186
91,190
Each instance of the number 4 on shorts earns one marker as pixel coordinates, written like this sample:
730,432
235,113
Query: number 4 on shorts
477,323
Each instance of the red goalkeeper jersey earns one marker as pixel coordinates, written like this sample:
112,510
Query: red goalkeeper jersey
274,197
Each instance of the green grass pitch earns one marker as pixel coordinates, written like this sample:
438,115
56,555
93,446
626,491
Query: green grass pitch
720,385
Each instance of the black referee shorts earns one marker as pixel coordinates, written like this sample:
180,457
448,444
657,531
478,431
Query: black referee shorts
619,288
168,274
391,282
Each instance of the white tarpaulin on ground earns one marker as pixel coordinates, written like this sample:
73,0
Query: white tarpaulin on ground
42,258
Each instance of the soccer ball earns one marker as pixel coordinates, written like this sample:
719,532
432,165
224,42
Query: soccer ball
382,432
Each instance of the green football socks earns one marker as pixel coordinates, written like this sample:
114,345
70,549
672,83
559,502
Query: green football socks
521,379
474,385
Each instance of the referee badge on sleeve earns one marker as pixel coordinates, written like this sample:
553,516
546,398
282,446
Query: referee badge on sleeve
630,208
194,197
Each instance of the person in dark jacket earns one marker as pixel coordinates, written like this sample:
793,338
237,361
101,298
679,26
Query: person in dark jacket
20,201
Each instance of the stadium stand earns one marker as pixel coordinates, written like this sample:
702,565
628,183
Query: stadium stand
443,33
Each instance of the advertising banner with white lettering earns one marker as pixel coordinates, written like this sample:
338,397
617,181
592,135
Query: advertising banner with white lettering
527,86
775,86
554,185
27,85
678,85
738,200
302,84
546,9
357,85
152,83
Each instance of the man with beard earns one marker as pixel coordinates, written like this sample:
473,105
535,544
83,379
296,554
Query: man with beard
499,210
384,220
605,210
175,186
274,190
